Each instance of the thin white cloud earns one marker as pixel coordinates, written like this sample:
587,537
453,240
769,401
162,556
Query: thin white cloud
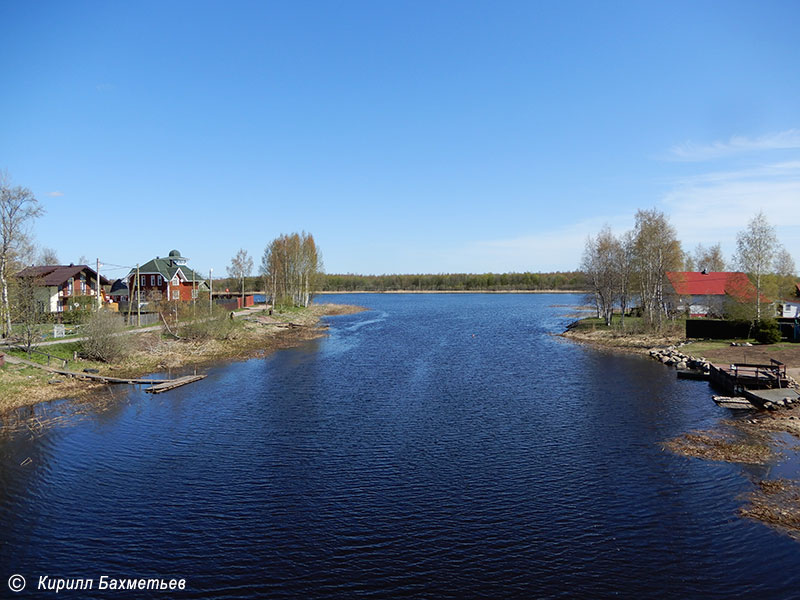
691,151
55,194
714,207
552,250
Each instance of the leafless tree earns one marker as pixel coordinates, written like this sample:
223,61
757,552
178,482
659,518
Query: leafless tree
599,265
624,256
756,248
27,309
656,251
291,265
786,273
47,256
708,259
18,208
241,266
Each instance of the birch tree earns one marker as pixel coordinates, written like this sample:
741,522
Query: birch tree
18,208
707,259
241,266
785,272
291,265
756,248
656,250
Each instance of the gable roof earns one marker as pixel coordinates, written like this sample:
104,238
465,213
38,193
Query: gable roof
57,274
167,267
713,283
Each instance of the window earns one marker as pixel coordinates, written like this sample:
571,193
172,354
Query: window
144,280
160,280
176,294
152,280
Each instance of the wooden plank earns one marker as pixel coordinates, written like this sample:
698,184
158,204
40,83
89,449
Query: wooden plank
174,383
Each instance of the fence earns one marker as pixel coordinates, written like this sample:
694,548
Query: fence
146,319
717,329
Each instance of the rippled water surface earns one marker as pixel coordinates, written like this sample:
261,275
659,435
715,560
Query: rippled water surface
437,446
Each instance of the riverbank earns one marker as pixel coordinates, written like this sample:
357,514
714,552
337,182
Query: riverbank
455,292
761,438
254,333
593,332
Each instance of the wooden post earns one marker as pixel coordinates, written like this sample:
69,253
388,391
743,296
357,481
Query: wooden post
138,303
97,277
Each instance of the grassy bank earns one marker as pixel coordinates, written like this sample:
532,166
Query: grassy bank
255,333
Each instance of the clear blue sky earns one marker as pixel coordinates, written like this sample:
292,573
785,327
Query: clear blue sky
406,136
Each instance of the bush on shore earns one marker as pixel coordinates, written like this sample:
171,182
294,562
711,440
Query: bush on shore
767,332
103,340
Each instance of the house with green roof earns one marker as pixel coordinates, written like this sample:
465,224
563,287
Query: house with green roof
166,279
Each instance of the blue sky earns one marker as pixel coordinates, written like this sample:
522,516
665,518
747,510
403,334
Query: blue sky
406,136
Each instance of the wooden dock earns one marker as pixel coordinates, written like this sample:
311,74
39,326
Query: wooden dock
157,385
733,403
173,383
735,378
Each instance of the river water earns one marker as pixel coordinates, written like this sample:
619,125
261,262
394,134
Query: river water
436,446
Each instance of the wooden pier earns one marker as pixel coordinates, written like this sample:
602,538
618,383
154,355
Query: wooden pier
157,385
735,379
173,383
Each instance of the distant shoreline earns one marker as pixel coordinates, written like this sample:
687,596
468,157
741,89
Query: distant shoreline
456,292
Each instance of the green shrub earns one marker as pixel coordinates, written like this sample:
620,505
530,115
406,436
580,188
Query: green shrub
767,332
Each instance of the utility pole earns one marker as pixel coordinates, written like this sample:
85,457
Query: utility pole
97,273
210,292
138,303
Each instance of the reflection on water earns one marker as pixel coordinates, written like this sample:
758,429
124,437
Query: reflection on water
435,446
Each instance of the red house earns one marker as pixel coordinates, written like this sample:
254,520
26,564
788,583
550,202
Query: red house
704,293
166,279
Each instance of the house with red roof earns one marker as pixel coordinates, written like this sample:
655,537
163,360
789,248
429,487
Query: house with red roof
64,287
704,293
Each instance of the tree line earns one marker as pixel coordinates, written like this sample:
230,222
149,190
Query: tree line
633,266
466,282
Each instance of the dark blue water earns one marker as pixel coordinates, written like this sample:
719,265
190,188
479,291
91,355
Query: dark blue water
438,446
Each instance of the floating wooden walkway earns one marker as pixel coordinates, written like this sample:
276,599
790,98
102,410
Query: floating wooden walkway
157,385
173,383
734,403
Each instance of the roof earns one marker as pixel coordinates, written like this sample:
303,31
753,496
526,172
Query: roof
712,283
119,288
167,267
58,274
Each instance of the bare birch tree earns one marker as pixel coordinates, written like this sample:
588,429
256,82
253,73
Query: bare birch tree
786,273
291,265
708,259
756,248
241,266
656,251
47,256
18,208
